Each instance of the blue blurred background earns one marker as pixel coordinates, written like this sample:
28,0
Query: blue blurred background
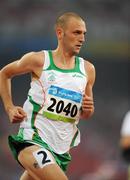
28,25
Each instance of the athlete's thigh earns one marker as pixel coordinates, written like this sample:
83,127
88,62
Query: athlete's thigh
40,164
26,176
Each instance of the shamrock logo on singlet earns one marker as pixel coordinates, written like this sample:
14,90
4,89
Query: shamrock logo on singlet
52,76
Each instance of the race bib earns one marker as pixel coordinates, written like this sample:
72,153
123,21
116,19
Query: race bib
62,104
43,157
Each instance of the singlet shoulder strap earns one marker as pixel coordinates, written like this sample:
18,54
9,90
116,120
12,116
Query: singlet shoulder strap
80,66
48,63
46,60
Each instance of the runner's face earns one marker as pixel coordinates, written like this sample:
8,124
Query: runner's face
74,36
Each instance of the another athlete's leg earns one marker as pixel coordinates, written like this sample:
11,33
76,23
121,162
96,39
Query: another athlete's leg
26,176
128,172
40,164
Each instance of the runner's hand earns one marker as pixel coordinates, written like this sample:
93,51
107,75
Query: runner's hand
16,114
87,104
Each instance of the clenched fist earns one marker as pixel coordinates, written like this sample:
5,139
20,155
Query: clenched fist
16,114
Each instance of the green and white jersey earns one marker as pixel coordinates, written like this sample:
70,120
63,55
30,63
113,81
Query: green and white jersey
53,105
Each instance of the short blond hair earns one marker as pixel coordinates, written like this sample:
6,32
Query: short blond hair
63,19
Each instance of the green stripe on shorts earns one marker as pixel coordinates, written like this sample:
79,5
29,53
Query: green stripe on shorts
16,142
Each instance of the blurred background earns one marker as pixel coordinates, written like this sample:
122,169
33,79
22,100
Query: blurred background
28,25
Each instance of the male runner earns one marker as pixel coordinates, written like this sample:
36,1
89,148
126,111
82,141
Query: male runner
60,95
